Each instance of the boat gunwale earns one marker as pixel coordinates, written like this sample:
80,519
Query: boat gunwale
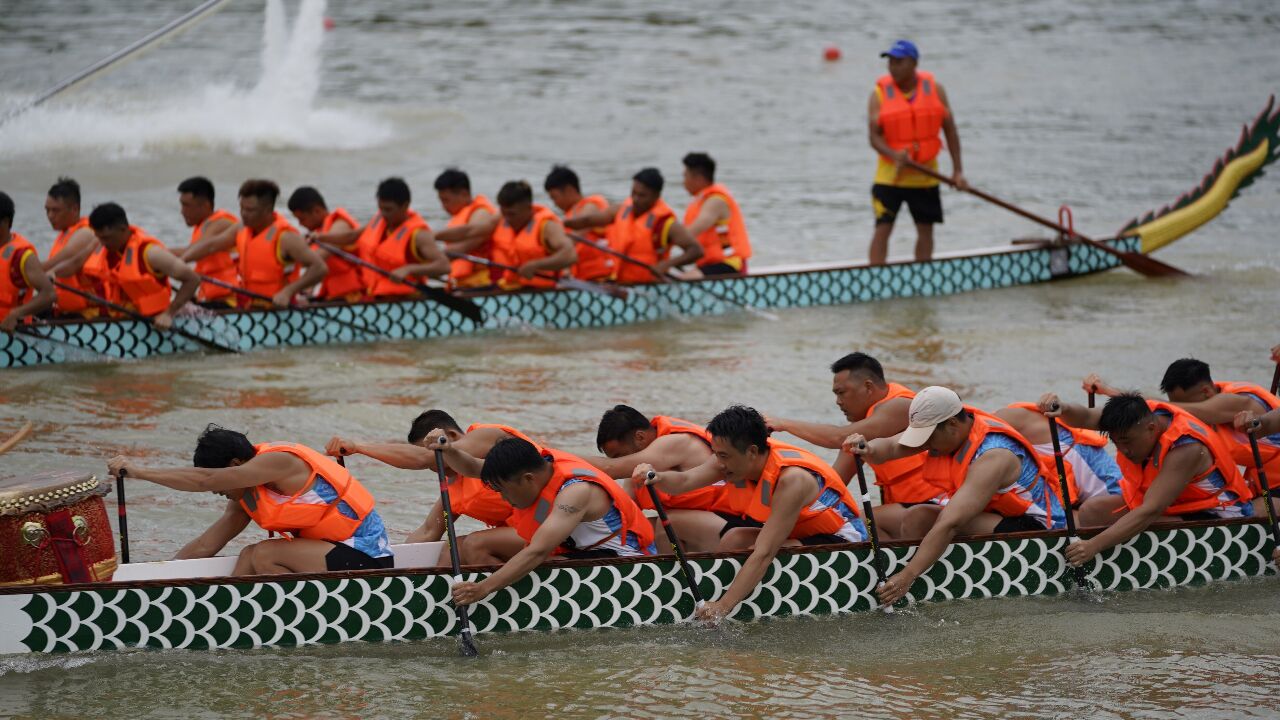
110,585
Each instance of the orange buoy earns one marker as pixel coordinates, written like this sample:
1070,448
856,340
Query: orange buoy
329,24
831,54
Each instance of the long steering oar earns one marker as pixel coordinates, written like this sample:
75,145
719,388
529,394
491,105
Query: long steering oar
462,306
1143,264
122,517
563,283
1262,480
16,438
1082,579
669,279
358,327
465,643
143,318
881,571
690,580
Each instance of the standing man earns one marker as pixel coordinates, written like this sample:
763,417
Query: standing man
714,219
906,111
213,238
472,220
136,268
25,290
71,249
565,191
270,249
343,282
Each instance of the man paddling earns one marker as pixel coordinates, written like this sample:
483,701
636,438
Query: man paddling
563,508
25,289
907,109
472,220
644,228
874,408
343,282
213,240
136,269
1174,466
399,241
272,258
565,190
531,239
73,247
284,488
994,480
713,217
786,496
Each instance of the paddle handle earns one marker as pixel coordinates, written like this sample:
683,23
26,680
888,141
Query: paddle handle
870,517
462,306
1262,480
465,641
1275,380
122,517
1082,580
1093,398
142,318
690,580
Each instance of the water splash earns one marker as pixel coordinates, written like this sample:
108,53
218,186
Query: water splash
277,113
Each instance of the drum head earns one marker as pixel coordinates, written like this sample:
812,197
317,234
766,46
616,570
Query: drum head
47,491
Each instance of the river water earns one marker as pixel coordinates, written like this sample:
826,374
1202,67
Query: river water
1114,108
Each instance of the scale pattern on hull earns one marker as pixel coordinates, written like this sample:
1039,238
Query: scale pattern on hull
413,606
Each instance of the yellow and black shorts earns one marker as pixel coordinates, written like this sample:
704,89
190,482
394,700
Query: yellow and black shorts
925,203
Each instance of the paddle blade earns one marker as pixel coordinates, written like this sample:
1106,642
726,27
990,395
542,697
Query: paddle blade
1149,266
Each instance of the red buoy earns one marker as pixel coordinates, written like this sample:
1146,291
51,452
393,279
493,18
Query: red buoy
832,53
329,24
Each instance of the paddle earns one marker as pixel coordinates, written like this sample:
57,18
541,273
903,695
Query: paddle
669,279
1143,264
1275,380
1093,398
466,644
16,438
1262,480
1082,580
462,306
563,283
122,518
870,516
143,318
358,327
690,580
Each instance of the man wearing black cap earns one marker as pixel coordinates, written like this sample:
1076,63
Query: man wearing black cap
904,115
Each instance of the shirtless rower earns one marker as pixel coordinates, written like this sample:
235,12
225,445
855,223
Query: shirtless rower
565,190
73,247
472,220
994,479
563,507
787,496
285,488
530,238
25,289
270,252
344,282
136,269
213,240
713,217
874,408
467,494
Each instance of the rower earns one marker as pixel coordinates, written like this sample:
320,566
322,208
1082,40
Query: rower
628,438
1174,467
399,241
994,479
472,220
874,408
530,238
563,508
643,227
270,250
25,290
785,496
213,241
136,269
343,282
467,494
565,190
71,249
906,110
714,219
285,488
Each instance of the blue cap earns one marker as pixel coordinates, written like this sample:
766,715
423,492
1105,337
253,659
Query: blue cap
902,49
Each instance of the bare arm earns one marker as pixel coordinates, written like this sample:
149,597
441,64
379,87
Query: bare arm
594,217
714,210
210,542
1222,408
679,237
675,482
875,134
432,528
879,450
666,452
401,455
74,254
297,250
432,263
561,252
259,470
471,235
218,236
952,135
166,263
888,420
338,237
1077,416
44,296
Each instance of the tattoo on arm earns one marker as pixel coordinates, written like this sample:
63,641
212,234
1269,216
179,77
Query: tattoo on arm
570,509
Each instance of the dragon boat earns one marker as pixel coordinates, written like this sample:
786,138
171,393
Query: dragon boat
197,605
1021,263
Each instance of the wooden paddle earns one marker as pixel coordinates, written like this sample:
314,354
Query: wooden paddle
1082,580
1142,264
122,518
690,580
462,306
358,327
143,318
563,283
1262,480
16,438
870,516
465,643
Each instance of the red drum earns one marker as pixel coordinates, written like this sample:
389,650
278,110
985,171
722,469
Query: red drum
54,529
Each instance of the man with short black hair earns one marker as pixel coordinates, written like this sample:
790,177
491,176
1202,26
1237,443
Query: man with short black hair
714,219
270,250
213,237
530,238
25,290
399,241
71,250
565,190
136,269
344,281
472,220
279,486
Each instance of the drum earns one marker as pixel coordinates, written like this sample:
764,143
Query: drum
54,529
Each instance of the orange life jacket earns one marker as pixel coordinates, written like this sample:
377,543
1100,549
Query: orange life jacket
130,281
711,497
219,265
901,480
508,430
912,124
464,273
754,500
516,247
471,497
343,280
12,257
593,263
316,521
1238,442
643,237
68,302
1137,478
526,521
1088,438
725,240
263,268
397,249
948,472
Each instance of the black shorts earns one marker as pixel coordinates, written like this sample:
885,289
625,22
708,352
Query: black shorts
720,268
345,557
824,539
925,204
737,521
1022,523
1198,515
